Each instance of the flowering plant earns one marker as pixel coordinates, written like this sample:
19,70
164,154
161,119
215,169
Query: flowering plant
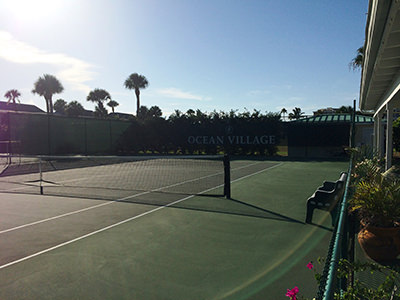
357,289
292,293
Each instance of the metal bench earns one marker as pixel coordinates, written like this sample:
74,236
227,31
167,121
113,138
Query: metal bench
326,197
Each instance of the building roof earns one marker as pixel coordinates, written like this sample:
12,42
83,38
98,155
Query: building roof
380,73
337,118
5,106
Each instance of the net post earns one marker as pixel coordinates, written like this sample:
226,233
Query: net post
40,176
227,177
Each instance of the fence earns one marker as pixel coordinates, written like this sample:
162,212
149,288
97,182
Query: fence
341,247
35,133
342,241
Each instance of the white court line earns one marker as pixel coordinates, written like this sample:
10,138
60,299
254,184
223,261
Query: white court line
90,234
70,213
121,222
255,173
128,197
108,203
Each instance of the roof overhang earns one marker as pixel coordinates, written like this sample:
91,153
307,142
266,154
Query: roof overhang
380,79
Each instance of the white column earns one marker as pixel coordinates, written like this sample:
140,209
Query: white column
379,139
389,135
375,142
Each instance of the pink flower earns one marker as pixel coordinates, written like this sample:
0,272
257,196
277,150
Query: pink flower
292,293
310,265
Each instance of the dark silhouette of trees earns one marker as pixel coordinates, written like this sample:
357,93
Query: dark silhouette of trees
47,86
283,112
60,106
136,82
112,104
99,96
74,109
296,114
197,132
149,113
12,96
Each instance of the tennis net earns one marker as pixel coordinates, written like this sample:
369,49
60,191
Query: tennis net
115,177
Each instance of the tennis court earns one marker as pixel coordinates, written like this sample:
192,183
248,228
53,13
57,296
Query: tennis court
171,235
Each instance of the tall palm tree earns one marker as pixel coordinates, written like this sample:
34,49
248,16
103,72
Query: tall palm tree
99,96
136,82
47,86
12,95
357,62
112,104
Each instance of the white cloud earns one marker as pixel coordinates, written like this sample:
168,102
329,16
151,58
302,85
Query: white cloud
177,93
71,70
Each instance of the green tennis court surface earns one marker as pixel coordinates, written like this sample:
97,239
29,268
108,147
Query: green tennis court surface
153,245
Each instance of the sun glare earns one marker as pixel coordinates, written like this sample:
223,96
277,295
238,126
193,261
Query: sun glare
28,10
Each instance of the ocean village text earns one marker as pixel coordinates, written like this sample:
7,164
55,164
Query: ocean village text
233,139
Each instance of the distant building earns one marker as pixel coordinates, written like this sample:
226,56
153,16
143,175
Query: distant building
326,111
327,135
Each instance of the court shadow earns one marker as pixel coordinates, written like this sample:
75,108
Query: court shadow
209,203
237,207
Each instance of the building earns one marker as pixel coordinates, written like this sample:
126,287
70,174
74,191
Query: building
6,106
327,136
380,78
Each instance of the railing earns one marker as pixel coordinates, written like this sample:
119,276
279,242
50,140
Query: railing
338,249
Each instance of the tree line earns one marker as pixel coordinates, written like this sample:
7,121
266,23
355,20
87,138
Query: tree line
197,132
48,85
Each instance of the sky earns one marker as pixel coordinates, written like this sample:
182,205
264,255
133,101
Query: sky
210,55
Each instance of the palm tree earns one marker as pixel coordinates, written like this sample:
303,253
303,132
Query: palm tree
136,82
357,62
190,112
100,111
155,112
296,114
99,96
112,104
46,86
283,112
12,95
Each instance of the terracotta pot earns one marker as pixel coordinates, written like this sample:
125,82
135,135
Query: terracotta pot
380,243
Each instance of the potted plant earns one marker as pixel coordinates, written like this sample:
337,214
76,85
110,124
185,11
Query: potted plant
376,201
